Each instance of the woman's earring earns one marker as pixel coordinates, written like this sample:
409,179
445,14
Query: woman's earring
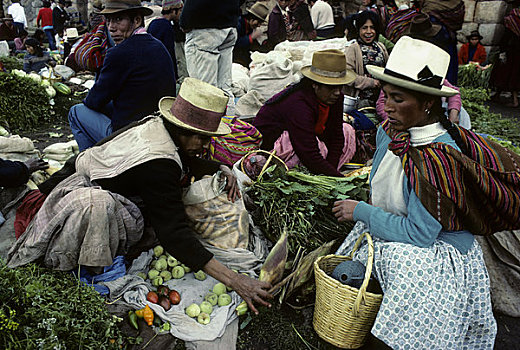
427,111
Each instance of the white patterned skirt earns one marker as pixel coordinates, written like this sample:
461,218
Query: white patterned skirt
434,298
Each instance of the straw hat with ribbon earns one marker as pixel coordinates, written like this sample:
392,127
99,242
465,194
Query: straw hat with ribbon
416,65
115,6
199,107
329,67
421,26
259,10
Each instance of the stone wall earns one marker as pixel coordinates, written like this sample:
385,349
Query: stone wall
487,17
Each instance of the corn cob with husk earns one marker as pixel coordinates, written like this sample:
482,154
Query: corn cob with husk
273,268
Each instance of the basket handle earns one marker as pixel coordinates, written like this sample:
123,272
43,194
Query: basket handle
368,273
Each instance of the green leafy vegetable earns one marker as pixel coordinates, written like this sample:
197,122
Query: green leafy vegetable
44,309
302,203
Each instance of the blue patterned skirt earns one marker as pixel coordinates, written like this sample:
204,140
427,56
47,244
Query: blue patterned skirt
434,298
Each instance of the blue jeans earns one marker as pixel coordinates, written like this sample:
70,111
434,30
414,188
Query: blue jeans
19,27
88,126
50,38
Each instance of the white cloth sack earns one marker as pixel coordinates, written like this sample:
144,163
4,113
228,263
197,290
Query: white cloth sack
272,75
240,79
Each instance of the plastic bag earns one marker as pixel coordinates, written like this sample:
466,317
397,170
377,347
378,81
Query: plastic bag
216,219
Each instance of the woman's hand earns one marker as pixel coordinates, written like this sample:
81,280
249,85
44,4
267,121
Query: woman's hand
344,210
231,183
252,290
454,116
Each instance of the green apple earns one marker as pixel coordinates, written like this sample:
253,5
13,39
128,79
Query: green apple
219,288
153,273
158,251
224,299
166,275
178,272
186,268
157,281
206,307
203,318
200,275
161,265
212,298
172,262
193,310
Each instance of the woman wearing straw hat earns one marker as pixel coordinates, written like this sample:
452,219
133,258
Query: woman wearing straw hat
304,123
427,201
152,160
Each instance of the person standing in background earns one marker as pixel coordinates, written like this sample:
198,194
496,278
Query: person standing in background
16,10
249,31
95,17
161,28
277,26
322,19
44,20
59,17
180,39
211,34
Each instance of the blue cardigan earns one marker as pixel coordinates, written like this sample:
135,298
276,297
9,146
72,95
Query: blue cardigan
162,30
418,227
135,75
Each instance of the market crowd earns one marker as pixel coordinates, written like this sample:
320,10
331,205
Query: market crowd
161,111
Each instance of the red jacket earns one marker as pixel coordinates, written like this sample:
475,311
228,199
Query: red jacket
479,55
45,16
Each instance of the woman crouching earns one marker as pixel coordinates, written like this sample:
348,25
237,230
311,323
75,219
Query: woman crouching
304,123
429,265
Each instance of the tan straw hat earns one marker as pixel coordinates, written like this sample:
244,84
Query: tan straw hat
416,65
259,10
329,67
199,108
115,6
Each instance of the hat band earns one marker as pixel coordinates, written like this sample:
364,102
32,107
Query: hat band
426,78
328,73
196,117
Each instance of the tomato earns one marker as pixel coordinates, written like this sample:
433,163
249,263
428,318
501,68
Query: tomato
174,297
152,297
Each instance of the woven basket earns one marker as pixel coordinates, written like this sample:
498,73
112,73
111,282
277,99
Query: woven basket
344,315
271,158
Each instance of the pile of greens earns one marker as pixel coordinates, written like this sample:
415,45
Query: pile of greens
12,62
473,76
302,204
483,121
23,102
44,309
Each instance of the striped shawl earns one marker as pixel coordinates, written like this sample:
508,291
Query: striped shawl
478,192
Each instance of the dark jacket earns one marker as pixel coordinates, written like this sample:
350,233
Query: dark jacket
135,75
276,31
59,17
6,33
200,14
162,30
13,173
297,113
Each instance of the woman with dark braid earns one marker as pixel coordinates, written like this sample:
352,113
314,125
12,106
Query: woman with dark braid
433,186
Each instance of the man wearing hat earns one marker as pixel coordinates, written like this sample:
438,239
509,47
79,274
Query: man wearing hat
472,51
149,160
211,34
8,31
162,28
248,31
59,18
135,74
304,123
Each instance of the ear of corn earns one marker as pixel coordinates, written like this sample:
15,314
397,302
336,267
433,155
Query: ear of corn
274,265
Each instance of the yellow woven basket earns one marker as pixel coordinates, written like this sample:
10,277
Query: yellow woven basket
344,315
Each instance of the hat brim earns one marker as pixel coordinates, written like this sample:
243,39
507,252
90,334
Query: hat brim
433,31
165,105
349,77
378,73
256,16
145,10
480,37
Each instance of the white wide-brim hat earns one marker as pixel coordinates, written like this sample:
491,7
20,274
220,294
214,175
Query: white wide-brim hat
416,65
199,107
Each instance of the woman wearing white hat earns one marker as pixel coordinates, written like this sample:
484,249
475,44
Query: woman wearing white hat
433,185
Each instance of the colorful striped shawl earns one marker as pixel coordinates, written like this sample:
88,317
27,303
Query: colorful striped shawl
512,21
479,192
399,23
